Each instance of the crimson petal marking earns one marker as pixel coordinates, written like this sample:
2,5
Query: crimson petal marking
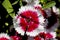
4,38
31,15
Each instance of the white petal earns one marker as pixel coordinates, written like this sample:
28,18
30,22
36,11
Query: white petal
5,35
55,10
41,19
36,2
19,30
26,8
28,1
32,1
37,5
53,34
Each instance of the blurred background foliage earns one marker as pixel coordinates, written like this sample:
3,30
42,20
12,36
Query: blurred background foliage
9,8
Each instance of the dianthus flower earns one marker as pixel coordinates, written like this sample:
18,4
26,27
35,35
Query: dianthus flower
4,36
29,19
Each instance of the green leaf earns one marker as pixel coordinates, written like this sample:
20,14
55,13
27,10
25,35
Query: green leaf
48,5
20,2
7,5
59,0
43,1
15,2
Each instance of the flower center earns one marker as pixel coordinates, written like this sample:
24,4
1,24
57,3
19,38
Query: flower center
29,20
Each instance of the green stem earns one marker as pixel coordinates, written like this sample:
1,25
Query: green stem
20,1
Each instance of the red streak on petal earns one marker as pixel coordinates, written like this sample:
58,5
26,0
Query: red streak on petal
42,11
48,35
23,23
3,38
32,26
37,38
15,38
43,35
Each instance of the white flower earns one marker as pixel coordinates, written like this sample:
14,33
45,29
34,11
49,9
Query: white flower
51,17
55,10
4,35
